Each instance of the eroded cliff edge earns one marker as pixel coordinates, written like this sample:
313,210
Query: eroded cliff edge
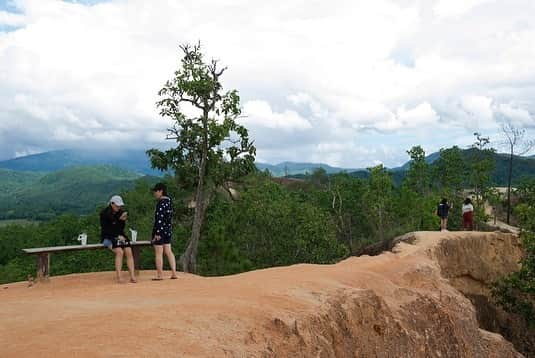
412,302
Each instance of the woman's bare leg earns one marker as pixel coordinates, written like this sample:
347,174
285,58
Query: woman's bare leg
158,258
130,264
170,258
118,262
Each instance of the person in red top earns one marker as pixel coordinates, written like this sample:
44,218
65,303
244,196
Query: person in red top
468,215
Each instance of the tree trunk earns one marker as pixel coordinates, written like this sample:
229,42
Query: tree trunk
381,232
509,179
188,259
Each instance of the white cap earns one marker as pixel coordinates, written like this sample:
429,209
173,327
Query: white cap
117,200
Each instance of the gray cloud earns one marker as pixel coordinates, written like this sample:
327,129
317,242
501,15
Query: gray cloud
347,83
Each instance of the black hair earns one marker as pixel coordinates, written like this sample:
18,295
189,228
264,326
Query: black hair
444,201
160,186
467,201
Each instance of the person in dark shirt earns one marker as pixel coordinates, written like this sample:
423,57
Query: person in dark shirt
443,212
112,223
162,231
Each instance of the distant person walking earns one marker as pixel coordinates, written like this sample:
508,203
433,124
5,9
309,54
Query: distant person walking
112,223
468,215
162,231
443,210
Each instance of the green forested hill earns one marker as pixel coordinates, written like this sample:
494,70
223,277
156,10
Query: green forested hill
12,180
72,190
522,167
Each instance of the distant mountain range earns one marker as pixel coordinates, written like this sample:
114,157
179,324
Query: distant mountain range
430,159
136,161
133,160
291,168
44,185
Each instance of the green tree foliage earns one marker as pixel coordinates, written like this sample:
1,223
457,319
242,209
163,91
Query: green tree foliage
415,203
450,172
269,226
418,176
212,148
346,198
319,177
481,165
516,292
414,212
378,199
343,197
450,179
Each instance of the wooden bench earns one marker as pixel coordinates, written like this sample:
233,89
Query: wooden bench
43,255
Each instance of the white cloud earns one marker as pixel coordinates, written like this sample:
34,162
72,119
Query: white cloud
259,114
311,74
478,107
447,8
515,115
10,19
303,99
421,115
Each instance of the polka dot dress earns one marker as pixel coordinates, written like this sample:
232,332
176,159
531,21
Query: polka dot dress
163,218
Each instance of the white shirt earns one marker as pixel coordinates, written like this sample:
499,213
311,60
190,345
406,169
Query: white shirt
467,208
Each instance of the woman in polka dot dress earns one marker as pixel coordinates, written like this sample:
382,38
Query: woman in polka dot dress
162,231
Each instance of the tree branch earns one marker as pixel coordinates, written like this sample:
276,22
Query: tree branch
192,101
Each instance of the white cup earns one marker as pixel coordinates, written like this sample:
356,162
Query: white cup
134,235
83,238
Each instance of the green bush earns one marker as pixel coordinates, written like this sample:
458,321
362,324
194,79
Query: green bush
268,226
516,292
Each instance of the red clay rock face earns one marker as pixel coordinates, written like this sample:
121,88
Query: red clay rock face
400,304
472,264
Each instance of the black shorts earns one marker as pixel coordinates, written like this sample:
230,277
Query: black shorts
112,242
164,239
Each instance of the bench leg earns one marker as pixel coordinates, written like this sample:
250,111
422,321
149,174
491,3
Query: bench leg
43,266
135,254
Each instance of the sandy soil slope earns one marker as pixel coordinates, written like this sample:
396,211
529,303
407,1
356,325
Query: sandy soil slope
401,304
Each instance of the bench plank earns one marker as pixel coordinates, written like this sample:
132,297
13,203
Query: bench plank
43,255
39,250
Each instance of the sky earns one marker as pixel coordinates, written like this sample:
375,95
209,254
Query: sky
348,83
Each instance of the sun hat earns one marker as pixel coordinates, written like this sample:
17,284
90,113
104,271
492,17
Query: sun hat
117,200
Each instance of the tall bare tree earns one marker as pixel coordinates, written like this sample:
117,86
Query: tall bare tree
516,144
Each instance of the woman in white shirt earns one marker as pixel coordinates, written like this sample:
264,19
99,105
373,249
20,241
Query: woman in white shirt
468,215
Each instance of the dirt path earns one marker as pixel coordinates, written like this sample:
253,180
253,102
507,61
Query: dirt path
499,224
395,304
